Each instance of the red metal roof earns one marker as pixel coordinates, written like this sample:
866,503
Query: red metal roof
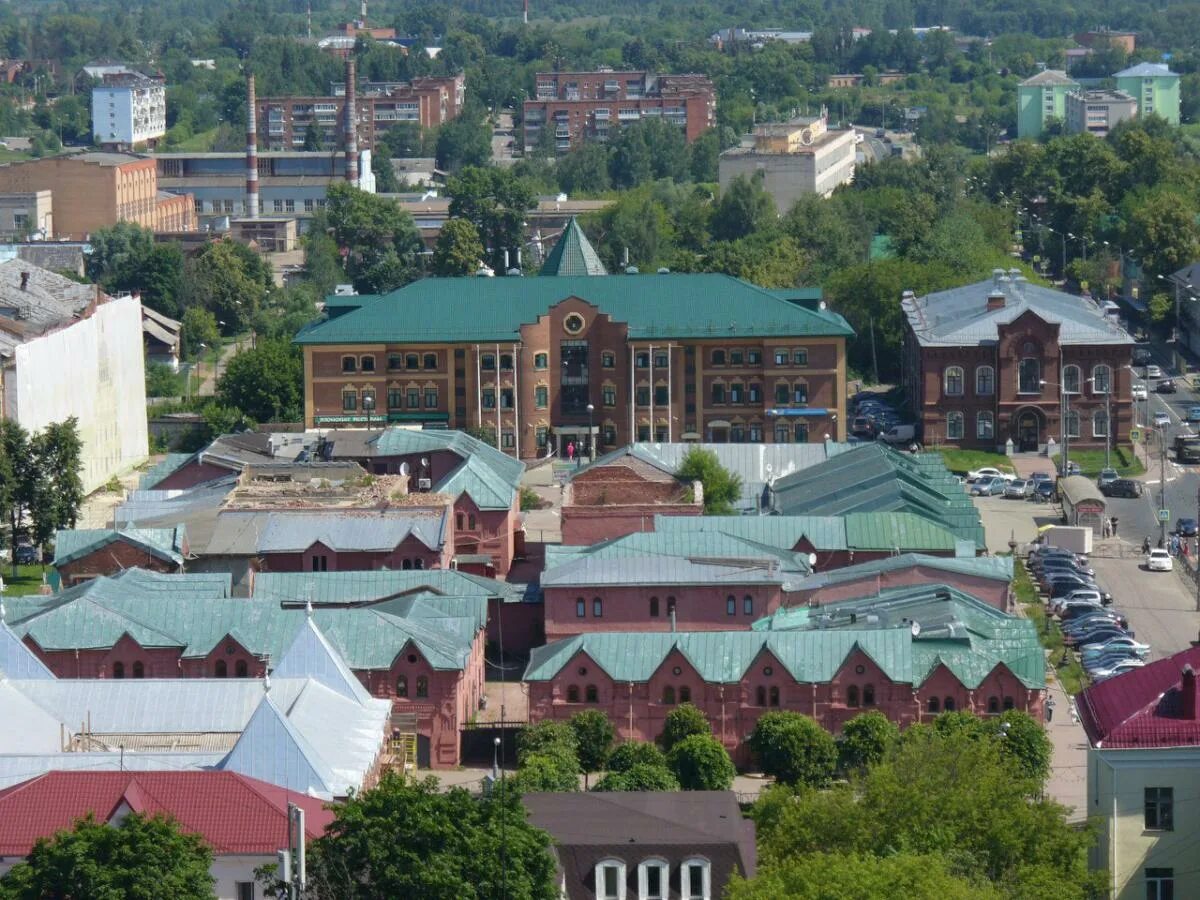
232,813
1141,708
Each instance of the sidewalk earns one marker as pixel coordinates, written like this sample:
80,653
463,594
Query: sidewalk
1067,783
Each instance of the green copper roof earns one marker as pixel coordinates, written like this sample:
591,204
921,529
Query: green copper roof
489,477
361,587
853,531
170,463
458,310
573,254
164,543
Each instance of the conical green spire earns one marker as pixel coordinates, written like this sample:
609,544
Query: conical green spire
573,254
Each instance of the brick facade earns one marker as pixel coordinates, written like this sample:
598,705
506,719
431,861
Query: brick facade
993,592
111,559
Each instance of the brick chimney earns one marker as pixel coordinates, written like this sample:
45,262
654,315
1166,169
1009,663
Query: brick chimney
996,300
351,123
1187,694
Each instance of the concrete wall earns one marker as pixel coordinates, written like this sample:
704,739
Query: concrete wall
93,370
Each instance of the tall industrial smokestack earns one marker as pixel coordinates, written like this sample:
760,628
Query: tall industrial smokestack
526,12
351,124
251,149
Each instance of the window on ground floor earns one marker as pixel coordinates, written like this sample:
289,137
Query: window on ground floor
1160,884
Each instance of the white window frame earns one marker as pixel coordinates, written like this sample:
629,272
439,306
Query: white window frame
643,878
686,889
1099,424
979,370
1073,424
1107,378
981,417
1078,388
599,877
962,428
958,372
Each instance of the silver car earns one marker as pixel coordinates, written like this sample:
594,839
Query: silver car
1019,488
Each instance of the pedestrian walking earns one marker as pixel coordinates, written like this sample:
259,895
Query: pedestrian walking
1114,526
1049,709
1104,527
1146,545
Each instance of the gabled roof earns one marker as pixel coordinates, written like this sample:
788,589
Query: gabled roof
1147,70
997,568
647,570
494,309
485,471
252,532
17,660
1049,78
310,655
162,543
169,464
573,254
373,586
234,814
1141,708
272,749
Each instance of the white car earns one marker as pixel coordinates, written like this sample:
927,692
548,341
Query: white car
1154,372
1139,392
1116,669
1161,419
1159,561
1118,643
989,472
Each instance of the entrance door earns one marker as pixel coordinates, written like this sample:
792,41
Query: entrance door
1027,433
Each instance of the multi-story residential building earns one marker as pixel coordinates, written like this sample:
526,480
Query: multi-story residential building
793,159
1155,88
69,350
26,215
97,190
129,110
1041,98
591,106
829,664
1004,360
544,362
284,122
1097,112
291,184
1143,777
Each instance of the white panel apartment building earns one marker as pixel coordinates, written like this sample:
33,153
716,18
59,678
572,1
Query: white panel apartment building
129,109
68,350
794,158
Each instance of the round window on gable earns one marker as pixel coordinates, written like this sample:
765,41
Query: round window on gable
583,670
768,671
677,670
230,649
412,657
1028,348
858,670
573,323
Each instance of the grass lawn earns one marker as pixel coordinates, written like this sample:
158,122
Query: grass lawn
201,142
1064,663
1124,460
27,581
963,461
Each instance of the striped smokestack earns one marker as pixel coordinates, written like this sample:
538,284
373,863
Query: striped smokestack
251,149
351,125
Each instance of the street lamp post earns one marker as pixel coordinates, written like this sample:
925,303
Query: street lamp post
1064,408
368,404
1107,420
590,439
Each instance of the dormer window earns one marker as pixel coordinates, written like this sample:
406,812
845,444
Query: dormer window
610,880
653,879
695,879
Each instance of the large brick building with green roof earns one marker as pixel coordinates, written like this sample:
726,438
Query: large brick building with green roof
664,357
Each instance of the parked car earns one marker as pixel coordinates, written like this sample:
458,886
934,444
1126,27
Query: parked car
1055,564
1158,560
1166,386
1107,476
1094,660
1193,414
1139,392
862,427
1019,488
1072,468
1037,477
1120,643
1153,371
1123,487
1186,527
1097,598
1044,491
1162,419
1117,669
1094,635
899,434
989,486
988,472
25,554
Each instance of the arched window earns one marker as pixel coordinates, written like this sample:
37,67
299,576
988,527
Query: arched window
430,361
985,425
760,696
1100,423
240,669
1029,376
349,363
411,361
422,686
933,704
782,434
774,693
402,686
506,362
948,705
852,696
487,362
869,695
573,694
1070,382
591,694
406,564
1101,378
695,879
953,381
541,360
993,705
597,607
985,381
220,670
418,563
118,670
800,392
580,608
367,364
654,607
139,671
610,880
801,432
1073,423
1008,702
654,879
685,694
731,605
669,695
954,426
748,605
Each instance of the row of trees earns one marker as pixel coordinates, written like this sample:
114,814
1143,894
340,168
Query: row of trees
40,485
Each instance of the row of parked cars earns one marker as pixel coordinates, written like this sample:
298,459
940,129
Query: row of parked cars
876,419
1088,622
989,482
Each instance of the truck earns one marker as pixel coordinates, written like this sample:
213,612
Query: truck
1187,447
899,434
1074,538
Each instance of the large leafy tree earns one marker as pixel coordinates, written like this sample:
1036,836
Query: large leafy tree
379,241
140,857
408,839
722,488
229,280
794,749
125,257
744,208
865,739
683,721
495,202
701,764
594,735
458,250
639,777
265,383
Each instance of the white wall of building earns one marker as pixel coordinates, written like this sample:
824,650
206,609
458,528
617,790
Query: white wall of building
227,870
788,176
93,370
129,114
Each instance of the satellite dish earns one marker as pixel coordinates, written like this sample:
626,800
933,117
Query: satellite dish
424,462
806,136
916,628
812,559
403,468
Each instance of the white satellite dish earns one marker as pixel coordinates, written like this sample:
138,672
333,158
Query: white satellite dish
812,559
916,628
424,462
403,468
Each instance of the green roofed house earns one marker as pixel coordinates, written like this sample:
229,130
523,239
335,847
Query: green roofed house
81,554
567,362
909,653
1040,98
1155,88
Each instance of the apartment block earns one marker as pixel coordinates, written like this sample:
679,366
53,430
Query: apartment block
795,158
1041,98
129,109
1096,112
1155,88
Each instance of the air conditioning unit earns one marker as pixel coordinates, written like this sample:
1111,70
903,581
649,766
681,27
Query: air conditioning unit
424,484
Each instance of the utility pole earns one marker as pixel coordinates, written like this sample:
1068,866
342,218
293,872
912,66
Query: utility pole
1162,485
1108,424
1197,573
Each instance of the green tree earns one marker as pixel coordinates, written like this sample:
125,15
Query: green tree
229,280
701,764
639,777
722,488
406,838
683,721
546,735
794,749
549,770
1161,230
265,383
386,181
57,451
646,150
594,735
464,141
141,857
584,170
743,209
1024,742
817,876
495,201
125,257
163,381
199,327
458,250
865,740
635,753
380,241
19,473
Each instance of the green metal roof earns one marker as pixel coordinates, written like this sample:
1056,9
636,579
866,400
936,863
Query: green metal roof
573,254
493,309
164,543
854,531
488,476
998,568
324,588
170,463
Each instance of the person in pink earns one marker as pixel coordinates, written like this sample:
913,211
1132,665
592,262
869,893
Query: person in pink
570,451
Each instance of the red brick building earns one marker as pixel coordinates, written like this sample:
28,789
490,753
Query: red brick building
971,658
1005,360
593,106
84,553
